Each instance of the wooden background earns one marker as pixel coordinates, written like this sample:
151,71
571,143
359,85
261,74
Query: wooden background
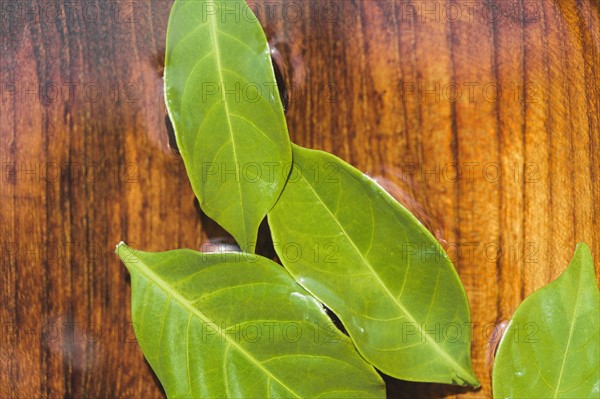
407,91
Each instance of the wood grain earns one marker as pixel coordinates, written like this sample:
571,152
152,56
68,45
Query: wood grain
409,92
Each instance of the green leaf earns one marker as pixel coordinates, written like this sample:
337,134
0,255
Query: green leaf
237,325
222,98
551,348
367,258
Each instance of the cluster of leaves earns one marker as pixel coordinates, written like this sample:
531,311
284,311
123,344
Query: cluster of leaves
241,325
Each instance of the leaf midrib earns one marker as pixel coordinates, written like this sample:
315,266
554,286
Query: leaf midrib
380,281
571,329
215,43
144,270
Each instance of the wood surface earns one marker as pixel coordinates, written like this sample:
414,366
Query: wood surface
86,161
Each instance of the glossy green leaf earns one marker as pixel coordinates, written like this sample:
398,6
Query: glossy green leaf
237,325
551,347
222,97
367,258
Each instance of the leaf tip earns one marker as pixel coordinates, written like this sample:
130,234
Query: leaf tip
583,249
119,245
470,379
126,254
